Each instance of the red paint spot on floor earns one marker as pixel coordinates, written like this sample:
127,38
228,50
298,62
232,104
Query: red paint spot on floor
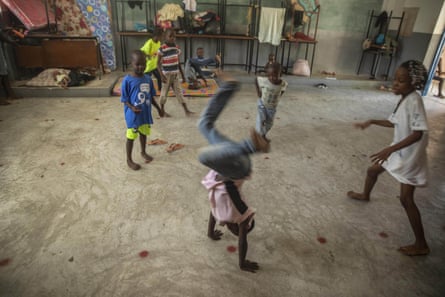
96,119
5,262
231,249
143,254
321,240
383,235
63,163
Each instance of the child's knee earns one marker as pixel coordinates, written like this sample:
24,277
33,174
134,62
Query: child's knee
204,125
374,171
407,201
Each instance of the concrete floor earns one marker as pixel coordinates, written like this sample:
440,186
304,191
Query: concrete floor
74,218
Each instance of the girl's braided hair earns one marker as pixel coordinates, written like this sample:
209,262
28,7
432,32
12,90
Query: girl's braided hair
417,72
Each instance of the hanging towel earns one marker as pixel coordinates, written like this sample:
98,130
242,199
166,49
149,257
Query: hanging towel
271,25
190,5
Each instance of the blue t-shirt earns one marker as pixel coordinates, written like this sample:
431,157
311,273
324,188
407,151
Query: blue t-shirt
138,91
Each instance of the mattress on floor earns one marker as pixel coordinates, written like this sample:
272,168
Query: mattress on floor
32,13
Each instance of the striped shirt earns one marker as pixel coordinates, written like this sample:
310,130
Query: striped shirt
169,55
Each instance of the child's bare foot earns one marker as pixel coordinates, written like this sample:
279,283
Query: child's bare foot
147,157
216,235
357,196
164,114
189,113
133,165
413,250
249,266
259,142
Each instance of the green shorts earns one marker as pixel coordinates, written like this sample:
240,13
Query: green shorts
132,133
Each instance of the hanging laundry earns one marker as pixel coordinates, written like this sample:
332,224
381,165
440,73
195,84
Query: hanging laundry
271,25
170,12
190,5
133,4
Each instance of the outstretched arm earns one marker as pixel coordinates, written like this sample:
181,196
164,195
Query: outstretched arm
245,264
212,233
382,123
384,154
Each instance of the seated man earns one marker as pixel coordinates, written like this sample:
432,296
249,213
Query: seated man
193,68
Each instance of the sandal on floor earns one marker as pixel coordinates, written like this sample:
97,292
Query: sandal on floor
156,142
174,147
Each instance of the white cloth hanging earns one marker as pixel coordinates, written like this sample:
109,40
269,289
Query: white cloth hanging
271,25
190,5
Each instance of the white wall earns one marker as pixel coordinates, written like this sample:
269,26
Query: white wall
428,13
440,25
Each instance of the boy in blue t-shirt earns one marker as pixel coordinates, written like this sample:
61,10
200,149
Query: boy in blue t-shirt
138,95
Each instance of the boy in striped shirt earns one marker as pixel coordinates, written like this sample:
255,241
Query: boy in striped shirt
170,67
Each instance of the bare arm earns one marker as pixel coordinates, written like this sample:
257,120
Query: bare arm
382,123
212,233
245,264
384,154
182,72
156,105
258,90
163,78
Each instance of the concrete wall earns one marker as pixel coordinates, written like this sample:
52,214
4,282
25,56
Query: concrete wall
341,31
422,44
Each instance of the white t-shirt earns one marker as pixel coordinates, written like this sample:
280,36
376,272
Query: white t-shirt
270,93
409,165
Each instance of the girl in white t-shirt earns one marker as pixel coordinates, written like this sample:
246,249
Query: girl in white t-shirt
405,159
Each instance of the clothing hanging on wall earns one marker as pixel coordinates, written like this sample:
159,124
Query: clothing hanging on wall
190,5
170,12
271,25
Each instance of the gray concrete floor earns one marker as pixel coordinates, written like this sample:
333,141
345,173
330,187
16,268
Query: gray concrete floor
74,218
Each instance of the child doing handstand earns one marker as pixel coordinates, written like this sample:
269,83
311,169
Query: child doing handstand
230,166
168,62
269,89
138,96
405,159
